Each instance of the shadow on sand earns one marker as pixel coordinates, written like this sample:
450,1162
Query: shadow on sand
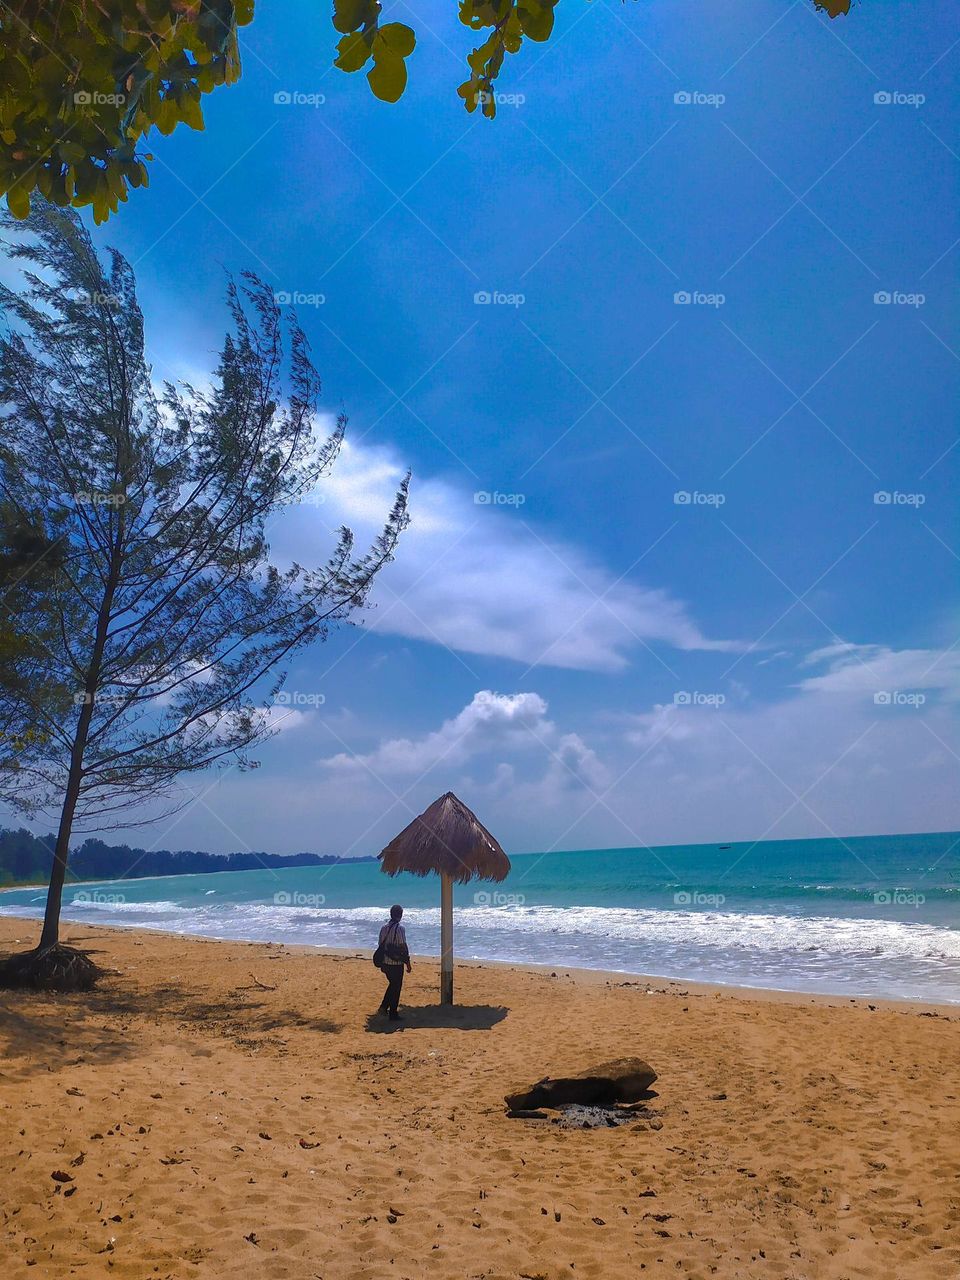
459,1017
62,1030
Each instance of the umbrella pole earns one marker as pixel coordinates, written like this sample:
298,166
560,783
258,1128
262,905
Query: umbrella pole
446,939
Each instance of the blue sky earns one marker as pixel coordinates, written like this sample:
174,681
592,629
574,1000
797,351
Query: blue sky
533,654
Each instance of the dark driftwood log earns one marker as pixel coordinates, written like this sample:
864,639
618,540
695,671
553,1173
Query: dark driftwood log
623,1080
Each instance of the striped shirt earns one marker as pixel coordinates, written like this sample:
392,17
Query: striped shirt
394,934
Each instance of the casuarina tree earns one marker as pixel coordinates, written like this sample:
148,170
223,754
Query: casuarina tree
163,614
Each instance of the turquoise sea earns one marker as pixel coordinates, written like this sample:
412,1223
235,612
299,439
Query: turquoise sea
871,915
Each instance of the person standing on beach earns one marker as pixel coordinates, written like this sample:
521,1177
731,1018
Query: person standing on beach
396,957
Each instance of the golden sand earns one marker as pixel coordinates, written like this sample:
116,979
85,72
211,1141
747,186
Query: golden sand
228,1109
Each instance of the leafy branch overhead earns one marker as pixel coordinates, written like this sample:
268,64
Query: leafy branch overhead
364,38
83,82
511,20
390,45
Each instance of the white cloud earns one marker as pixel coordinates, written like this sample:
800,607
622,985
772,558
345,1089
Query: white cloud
827,758
483,580
575,766
283,719
814,762
871,668
490,722
774,657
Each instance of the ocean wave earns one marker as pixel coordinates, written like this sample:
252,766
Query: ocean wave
726,929
112,902
841,937
876,955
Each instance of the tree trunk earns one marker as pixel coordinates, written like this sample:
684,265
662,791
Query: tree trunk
50,935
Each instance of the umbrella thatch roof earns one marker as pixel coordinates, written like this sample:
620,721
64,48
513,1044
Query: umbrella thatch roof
447,839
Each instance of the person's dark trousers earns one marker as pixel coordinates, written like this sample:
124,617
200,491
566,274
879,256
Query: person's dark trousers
394,976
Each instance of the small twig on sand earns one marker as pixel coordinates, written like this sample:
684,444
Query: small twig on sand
257,983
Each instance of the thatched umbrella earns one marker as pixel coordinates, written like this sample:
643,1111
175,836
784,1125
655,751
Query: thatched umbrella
451,841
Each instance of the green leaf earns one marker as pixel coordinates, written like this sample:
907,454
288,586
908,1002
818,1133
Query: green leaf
387,76
18,201
206,78
58,192
350,14
191,113
469,91
479,13
115,184
536,18
72,152
167,116
398,37
513,39
353,51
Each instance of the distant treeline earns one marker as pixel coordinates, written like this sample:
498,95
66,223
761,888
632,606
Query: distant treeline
26,858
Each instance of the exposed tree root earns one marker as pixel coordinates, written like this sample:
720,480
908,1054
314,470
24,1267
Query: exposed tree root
56,968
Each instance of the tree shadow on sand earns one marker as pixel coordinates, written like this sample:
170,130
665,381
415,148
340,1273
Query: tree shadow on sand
100,1026
458,1017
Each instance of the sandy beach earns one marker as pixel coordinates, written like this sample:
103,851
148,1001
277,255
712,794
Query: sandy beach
225,1108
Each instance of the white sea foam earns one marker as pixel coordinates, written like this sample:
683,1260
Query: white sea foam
728,930
105,904
806,952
